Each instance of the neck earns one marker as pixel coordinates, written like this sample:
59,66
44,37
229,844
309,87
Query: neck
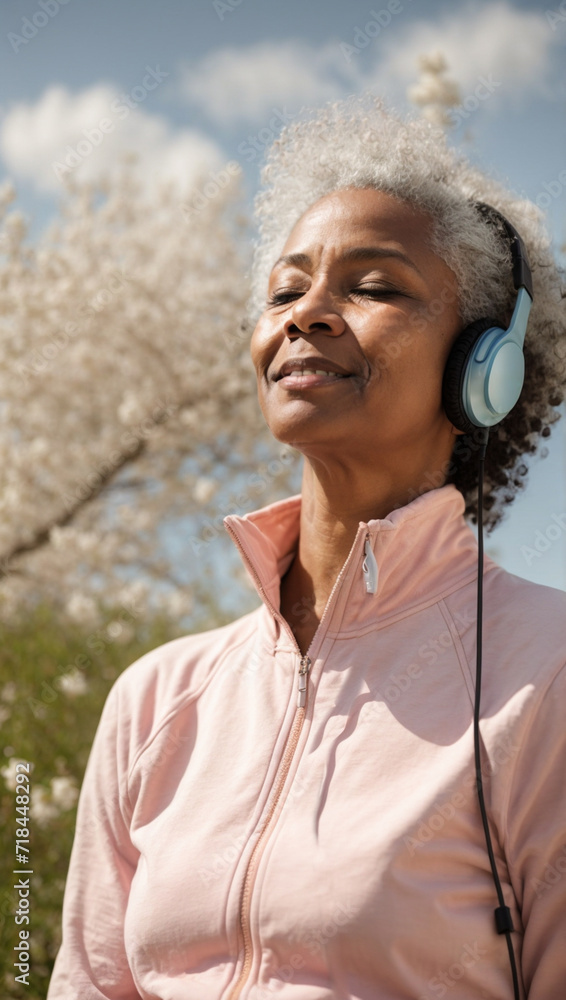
334,501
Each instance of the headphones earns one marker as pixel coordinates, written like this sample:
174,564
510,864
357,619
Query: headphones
482,382
485,370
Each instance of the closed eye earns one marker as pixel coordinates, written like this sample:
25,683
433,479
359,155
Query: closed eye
278,298
375,291
367,291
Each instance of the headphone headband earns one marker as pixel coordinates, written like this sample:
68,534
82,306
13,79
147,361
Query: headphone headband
522,277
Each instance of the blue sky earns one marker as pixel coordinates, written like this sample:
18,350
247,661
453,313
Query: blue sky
191,86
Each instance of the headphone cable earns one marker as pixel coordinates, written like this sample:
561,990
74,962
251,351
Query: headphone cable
503,919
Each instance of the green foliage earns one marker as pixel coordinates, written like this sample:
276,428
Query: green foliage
53,730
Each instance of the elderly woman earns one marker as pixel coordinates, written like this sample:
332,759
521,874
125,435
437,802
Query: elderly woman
286,806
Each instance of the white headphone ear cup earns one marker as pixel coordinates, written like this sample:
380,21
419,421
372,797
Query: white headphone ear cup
455,371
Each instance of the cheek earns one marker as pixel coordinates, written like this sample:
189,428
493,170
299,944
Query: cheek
417,343
400,350
402,346
260,345
410,366
253,347
392,334
261,357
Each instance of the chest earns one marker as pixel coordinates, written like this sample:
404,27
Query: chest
310,839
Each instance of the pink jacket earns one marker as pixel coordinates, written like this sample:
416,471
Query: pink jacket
232,844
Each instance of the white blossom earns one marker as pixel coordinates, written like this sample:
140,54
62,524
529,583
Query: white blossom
64,792
86,541
39,447
42,808
204,489
82,609
9,772
133,597
7,193
61,538
9,692
176,604
120,632
73,683
132,409
435,92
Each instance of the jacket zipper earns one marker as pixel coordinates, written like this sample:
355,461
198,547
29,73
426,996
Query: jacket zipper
288,753
257,852
369,567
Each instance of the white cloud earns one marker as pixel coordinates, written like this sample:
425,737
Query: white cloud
247,84
89,131
510,44
233,85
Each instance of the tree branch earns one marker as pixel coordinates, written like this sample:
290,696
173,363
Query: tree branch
41,536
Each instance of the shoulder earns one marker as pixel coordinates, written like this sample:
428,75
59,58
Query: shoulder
524,626
524,630
185,663
163,681
527,610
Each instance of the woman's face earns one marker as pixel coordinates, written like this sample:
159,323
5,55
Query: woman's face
357,291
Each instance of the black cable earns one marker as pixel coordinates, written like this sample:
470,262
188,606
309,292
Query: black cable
503,919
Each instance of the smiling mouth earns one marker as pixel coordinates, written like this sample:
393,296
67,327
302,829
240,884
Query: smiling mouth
303,366
309,378
303,372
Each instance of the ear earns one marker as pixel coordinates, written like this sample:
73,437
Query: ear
456,431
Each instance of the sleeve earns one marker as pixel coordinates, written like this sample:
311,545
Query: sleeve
92,963
537,845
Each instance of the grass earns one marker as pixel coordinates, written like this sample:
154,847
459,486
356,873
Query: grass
53,730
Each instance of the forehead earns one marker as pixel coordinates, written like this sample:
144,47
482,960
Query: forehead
357,216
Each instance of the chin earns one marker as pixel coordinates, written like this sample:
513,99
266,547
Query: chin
309,443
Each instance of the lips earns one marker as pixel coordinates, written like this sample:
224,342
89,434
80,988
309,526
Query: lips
311,365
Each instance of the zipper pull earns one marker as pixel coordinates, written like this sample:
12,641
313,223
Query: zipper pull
303,671
370,568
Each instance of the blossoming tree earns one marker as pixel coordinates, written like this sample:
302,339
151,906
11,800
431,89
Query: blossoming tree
126,392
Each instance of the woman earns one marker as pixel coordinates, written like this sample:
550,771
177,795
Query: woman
286,806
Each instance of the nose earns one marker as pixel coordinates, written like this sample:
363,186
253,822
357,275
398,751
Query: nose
314,311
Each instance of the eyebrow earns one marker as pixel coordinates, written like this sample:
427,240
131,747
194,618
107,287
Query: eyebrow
351,254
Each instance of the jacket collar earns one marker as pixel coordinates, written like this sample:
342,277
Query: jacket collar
422,550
